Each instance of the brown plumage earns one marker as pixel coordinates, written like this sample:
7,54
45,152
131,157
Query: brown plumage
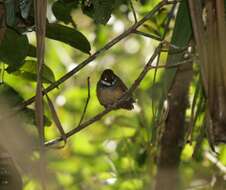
110,88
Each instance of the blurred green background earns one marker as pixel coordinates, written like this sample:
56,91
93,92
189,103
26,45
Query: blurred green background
115,152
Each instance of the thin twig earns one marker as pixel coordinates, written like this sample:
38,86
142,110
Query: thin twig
175,65
215,161
133,10
2,73
115,105
167,21
126,96
99,52
198,32
87,101
154,37
169,46
56,120
188,135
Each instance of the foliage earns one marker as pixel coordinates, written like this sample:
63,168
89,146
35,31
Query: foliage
119,151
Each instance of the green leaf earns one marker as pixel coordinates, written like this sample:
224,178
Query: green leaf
69,36
13,49
28,72
99,10
10,8
28,116
88,8
11,95
62,10
31,51
103,10
25,8
182,34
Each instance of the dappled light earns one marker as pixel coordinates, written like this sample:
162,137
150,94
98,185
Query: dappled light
112,95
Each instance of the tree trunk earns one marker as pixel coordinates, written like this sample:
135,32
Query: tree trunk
173,136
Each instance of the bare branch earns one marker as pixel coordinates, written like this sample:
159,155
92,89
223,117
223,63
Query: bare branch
40,27
99,52
154,37
116,104
133,10
134,86
87,101
56,119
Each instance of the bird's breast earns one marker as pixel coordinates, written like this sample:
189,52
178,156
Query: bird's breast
109,95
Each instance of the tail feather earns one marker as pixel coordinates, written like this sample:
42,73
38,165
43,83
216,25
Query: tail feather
128,104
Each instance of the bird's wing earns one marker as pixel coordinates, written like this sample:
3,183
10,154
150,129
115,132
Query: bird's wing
122,85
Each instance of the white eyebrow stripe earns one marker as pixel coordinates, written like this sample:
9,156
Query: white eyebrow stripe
106,83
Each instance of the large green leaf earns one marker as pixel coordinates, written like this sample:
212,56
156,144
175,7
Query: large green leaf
25,7
69,36
62,10
31,51
99,10
182,34
28,72
10,7
13,49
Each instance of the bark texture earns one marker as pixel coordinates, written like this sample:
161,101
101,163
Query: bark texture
173,136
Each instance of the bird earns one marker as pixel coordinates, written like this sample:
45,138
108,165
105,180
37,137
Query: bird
111,88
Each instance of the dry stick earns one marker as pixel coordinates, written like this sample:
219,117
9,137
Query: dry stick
147,35
87,102
133,10
40,25
127,95
56,120
198,31
100,51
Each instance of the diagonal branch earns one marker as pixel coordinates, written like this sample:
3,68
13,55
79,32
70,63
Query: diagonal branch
127,95
56,119
134,86
87,101
154,37
110,44
133,10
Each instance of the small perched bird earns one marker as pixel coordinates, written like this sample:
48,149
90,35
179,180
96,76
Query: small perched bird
110,88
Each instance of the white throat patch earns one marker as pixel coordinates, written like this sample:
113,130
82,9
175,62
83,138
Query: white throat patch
108,83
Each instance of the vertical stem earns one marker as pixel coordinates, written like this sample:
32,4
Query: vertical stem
173,136
40,25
